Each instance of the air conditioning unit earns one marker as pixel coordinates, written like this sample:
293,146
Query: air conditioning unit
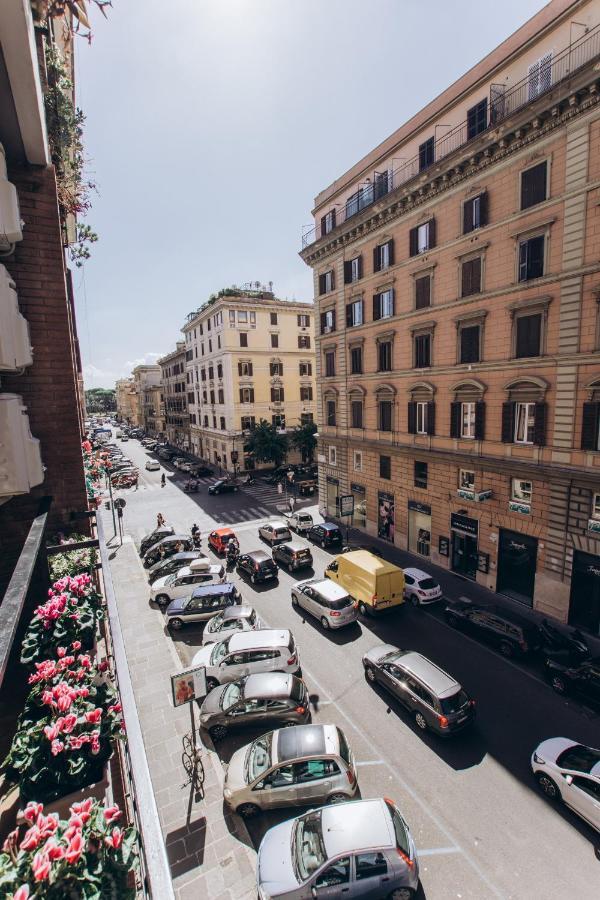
11,227
21,466
15,345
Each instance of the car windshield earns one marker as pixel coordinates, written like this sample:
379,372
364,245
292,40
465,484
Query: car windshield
454,703
579,758
308,849
400,830
215,624
258,758
427,584
171,579
232,693
219,652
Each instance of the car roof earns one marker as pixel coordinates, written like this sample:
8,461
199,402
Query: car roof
329,526
174,537
442,684
361,824
268,684
278,523
252,640
327,588
306,740
368,561
225,587
238,612
418,574
294,545
223,531
258,555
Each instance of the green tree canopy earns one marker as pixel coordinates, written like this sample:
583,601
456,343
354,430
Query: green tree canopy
100,400
303,438
267,443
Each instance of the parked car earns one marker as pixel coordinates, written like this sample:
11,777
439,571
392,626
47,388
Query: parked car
420,588
155,536
331,604
176,461
580,678
223,487
435,699
174,564
275,533
182,583
327,535
200,471
257,700
124,438
512,634
219,538
152,465
167,546
290,767
267,650
205,602
363,848
258,566
231,621
568,771
164,454
185,466
567,646
299,522
376,585
292,556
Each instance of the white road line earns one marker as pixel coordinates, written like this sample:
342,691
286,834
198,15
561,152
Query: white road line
371,762
437,851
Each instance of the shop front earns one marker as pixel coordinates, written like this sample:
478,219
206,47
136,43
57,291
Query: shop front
359,517
465,535
386,516
584,605
333,490
419,528
517,561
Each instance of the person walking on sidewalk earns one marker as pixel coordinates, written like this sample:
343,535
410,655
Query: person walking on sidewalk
163,480
160,520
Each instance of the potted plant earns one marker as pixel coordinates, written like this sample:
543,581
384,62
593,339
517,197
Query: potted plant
69,614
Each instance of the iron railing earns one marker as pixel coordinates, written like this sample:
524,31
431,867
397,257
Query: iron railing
503,103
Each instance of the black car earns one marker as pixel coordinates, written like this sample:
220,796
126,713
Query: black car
258,566
223,487
583,679
200,471
292,555
512,634
327,535
154,536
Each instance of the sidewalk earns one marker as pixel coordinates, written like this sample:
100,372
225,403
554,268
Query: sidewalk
208,849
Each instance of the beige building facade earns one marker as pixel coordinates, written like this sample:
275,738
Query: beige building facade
173,387
144,377
249,357
154,411
126,400
456,270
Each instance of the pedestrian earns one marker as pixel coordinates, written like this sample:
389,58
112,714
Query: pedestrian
163,480
160,520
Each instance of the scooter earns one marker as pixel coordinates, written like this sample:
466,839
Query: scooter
191,487
197,540
233,555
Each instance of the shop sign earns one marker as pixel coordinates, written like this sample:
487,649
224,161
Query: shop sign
465,495
420,507
332,480
517,506
443,546
465,524
593,525
483,562
346,505
357,488
477,496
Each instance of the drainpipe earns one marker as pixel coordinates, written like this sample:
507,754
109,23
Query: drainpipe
564,563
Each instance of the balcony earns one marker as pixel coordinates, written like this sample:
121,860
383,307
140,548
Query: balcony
503,103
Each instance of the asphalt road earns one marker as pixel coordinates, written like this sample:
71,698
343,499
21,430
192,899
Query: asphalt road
480,826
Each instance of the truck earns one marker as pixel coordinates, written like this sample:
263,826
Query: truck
300,522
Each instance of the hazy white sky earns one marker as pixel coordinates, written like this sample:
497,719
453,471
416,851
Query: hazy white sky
212,125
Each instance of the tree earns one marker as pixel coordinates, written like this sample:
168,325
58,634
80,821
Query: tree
267,443
100,400
305,441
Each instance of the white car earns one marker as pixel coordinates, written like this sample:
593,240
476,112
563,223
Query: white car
230,621
568,771
185,466
153,465
275,532
420,588
182,583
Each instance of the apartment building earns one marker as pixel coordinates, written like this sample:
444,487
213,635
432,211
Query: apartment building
144,377
154,411
173,387
456,270
249,357
125,399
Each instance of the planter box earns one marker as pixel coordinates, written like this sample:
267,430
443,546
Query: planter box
61,804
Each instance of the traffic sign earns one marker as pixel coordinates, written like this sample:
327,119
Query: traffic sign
120,503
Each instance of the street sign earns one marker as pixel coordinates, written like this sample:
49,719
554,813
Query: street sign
189,685
120,503
346,505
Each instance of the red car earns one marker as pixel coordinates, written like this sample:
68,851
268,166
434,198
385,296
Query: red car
219,539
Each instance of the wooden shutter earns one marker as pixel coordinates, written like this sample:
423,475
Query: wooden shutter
239,369
483,209
393,299
310,368
423,292
281,394
333,320
523,260
241,395
332,273
272,395
479,420
347,272
321,284
529,331
589,427
535,268
333,219
412,417
533,185
508,423
413,241
299,318
250,370
431,417
391,251
455,419
539,425
468,217
323,225
432,234
376,260
251,395
323,321
349,316
360,266
376,307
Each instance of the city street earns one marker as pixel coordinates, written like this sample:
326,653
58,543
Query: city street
481,827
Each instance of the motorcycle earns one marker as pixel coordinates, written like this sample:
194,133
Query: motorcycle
197,540
560,646
233,554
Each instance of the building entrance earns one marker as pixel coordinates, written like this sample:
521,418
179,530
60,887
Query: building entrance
465,534
584,605
517,560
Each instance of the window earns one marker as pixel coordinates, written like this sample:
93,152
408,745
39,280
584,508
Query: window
306,418
303,321
278,421
274,340
330,363
477,119
524,423
467,417
590,428
422,351
470,281
244,369
466,480
242,316
303,342
248,423
246,395
420,474
385,467
337,873
421,417
470,337
328,321
385,415
534,185
212,398
596,506
221,395
422,238
531,258
528,336
203,374
357,460
206,421
276,368
277,395
383,305
305,368
243,339
211,373
210,344
521,490
219,370
330,412
356,413
422,291
273,318
539,76
426,154
353,270
214,421
326,282
475,213
306,392
231,318
222,423
467,420
383,256
356,360
370,865
332,453
328,222
384,356
354,313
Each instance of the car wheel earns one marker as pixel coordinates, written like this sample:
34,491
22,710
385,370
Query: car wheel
217,732
414,600
362,608
370,674
162,599
548,786
295,601
338,798
506,649
211,683
176,624
402,893
247,810
559,684
421,721
453,620
324,623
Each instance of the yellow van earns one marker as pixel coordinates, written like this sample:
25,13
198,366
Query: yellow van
375,584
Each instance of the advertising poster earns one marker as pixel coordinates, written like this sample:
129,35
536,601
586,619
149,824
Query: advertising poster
386,517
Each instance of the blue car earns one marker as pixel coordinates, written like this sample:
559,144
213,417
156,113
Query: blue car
327,535
204,603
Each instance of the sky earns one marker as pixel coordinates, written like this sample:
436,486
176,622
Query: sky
212,125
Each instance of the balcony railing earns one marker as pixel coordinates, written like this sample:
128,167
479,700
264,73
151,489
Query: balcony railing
503,102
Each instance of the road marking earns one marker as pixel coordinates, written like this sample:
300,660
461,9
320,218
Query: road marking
437,851
371,762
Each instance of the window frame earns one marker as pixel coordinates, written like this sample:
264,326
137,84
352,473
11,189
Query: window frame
426,153
468,261
418,479
464,484
422,276
467,420
475,113
357,402
385,347
330,405
358,349
332,455
528,422
357,457
527,238
422,416
523,172
518,495
329,356
419,334
385,467
385,403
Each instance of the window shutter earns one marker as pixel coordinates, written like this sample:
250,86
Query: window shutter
467,281
432,234
333,218
282,394
523,261
272,395
239,370
412,417
376,262
251,395
479,420
323,226
393,298
241,395
347,272
413,242
323,320
333,320
332,273
508,423
360,267
533,186
468,217
431,417
376,307
423,292
310,368
589,428
483,209
299,318
391,251
536,257
529,329
250,370
539,425
321,284
349,316
455,419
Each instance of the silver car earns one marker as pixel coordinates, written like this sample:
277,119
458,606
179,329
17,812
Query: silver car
326,601
291,767
358,849
275,532
230,621
268,650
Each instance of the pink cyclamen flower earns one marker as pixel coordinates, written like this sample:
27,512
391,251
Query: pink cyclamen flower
64,702
47,698
11,841
41,866
51,732
22,893
57,747
62,651
116,708
115,839
31,838
55,851
75,848
47,824
76,645
69,723
32,811
112,813
94,716
84,660
83,810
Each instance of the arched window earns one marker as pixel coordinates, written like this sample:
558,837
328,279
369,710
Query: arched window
356,405
590,426
524,414
421,408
